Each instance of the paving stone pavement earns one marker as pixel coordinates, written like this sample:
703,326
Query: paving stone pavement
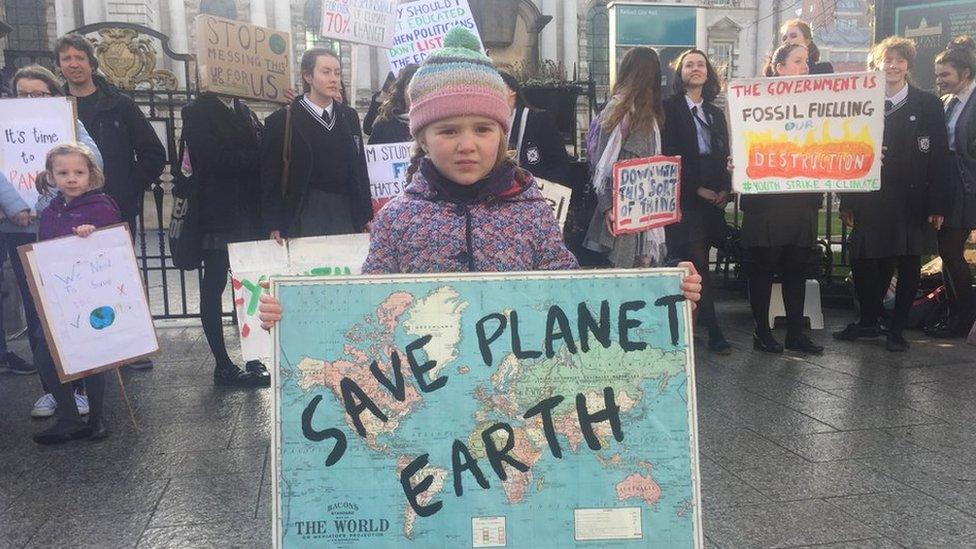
859,448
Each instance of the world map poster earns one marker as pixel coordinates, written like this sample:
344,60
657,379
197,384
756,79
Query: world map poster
535,410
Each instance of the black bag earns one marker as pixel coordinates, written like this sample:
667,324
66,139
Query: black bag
928,309
185,240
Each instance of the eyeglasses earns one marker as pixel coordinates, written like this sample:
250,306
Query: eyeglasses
34,95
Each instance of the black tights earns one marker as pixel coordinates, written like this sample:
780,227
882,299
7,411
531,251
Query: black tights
791,263
697,253
955,270
871,280
216,263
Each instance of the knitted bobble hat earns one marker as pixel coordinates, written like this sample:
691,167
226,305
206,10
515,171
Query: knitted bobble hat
457,80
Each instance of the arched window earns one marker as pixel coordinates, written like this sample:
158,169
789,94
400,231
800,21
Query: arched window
598,44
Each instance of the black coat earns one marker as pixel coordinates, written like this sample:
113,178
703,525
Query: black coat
961,191
914,174
390,130
279,210
132,153
543,153
680,137
224,154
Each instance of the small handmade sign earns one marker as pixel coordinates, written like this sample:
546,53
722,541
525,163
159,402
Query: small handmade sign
646,193
421,26
368,22
387,165
242,60
29,128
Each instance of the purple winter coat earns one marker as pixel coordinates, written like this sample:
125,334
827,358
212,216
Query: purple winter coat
420,232
92,208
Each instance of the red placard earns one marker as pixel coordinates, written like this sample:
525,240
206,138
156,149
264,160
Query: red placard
646,193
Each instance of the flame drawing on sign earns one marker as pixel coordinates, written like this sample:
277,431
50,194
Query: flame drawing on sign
850,156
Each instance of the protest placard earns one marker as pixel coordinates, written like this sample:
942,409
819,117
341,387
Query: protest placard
558,198
369,22
387,166
29,128
89,290
254,262
537,410
807,133
646,193
421,26
242,60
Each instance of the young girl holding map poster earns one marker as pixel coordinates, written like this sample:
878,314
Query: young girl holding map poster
778,231
79,208
468,207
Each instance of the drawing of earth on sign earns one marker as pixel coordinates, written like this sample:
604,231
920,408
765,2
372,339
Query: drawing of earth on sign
102,317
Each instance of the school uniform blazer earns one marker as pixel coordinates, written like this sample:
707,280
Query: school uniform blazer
278,208
680,137
965,144
543,153
917,158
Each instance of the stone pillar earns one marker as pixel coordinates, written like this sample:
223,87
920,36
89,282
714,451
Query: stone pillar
571,32
259,13
549,37
94,11
282,15
64,13
177,34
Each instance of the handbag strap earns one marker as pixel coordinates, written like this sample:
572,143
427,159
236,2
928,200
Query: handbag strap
286,152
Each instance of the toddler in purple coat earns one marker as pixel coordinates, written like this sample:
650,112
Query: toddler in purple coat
467,205
78,208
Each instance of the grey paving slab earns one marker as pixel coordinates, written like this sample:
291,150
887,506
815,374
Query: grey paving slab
723,489
221,498
214,535
911,518
79,532
847,445
873,543
947,480
783,525
798,480
16,533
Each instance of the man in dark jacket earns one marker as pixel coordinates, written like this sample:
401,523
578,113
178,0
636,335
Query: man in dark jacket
326,190
132,153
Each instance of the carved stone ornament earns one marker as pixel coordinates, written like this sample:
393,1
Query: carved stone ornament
129,61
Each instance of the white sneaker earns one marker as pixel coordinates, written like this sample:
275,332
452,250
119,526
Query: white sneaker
82,402
45,406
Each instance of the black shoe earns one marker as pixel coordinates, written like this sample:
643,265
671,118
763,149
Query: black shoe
719,345
954,326
99,430
258,370
801,343
855,331
141,364
766,343
13,364
896,343
232,376
63,431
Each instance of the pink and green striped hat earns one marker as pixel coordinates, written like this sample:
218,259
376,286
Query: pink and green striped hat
457,80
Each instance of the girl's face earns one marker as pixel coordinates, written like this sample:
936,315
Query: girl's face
795,65
895,68
71,175
794,35
463,148
694,70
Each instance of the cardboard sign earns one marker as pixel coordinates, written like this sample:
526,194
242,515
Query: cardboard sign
387,166
558,198
820,133
646,193
242,60
369,22
91,301
29,128
395,396
254,262
421,26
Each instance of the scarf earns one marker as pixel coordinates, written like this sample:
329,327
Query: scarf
501,182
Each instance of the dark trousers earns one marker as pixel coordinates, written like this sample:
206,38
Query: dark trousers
64,392
871,280
13,240
791,264
216,264
955,271
697,253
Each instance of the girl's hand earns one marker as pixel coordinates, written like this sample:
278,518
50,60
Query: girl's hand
707,194
723,199
691,285
847,217
608,218
729,165
936,221
290,94
22,219
270,311
84,230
